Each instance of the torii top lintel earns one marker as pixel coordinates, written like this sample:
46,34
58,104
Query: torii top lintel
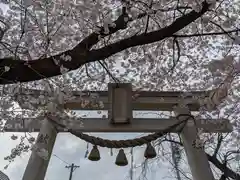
120,100
144,100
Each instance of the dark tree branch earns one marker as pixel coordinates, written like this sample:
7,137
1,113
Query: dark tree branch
206,34
148,38
148,16
221,166
223,177
22,71
108,72
226,171
25,71
220,139
220,27
175,61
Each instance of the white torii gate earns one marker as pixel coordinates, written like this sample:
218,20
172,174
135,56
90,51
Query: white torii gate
118,101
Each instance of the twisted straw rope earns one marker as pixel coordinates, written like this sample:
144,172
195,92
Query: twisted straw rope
129,142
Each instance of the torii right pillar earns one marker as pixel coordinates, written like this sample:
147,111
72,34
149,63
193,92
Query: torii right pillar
197,158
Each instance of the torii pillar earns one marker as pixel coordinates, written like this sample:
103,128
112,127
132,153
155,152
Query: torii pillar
196,156
37,165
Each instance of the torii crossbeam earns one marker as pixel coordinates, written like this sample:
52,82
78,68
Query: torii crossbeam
120,105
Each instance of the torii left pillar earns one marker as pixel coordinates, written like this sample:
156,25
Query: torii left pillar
37,166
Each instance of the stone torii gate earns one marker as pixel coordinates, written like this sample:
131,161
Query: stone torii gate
120,105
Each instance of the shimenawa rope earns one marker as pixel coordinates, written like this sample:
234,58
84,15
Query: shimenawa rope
125,143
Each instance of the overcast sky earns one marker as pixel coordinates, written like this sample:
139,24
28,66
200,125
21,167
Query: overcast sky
72,150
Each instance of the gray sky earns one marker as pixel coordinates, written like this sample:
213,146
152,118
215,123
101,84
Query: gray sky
72,150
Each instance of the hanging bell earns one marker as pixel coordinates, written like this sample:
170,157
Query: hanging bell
121,159
94,154
150,152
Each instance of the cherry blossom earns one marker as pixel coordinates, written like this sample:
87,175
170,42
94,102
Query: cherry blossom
62,46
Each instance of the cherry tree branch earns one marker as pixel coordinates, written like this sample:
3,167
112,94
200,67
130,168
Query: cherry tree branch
25,71
220,139
147,38
206,34
221,166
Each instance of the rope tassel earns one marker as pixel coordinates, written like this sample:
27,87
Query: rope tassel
121,159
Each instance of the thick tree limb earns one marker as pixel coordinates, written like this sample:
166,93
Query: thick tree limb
20,71
25,71
147,38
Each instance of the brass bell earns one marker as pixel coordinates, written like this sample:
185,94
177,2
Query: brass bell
150,152
121,159
94,154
